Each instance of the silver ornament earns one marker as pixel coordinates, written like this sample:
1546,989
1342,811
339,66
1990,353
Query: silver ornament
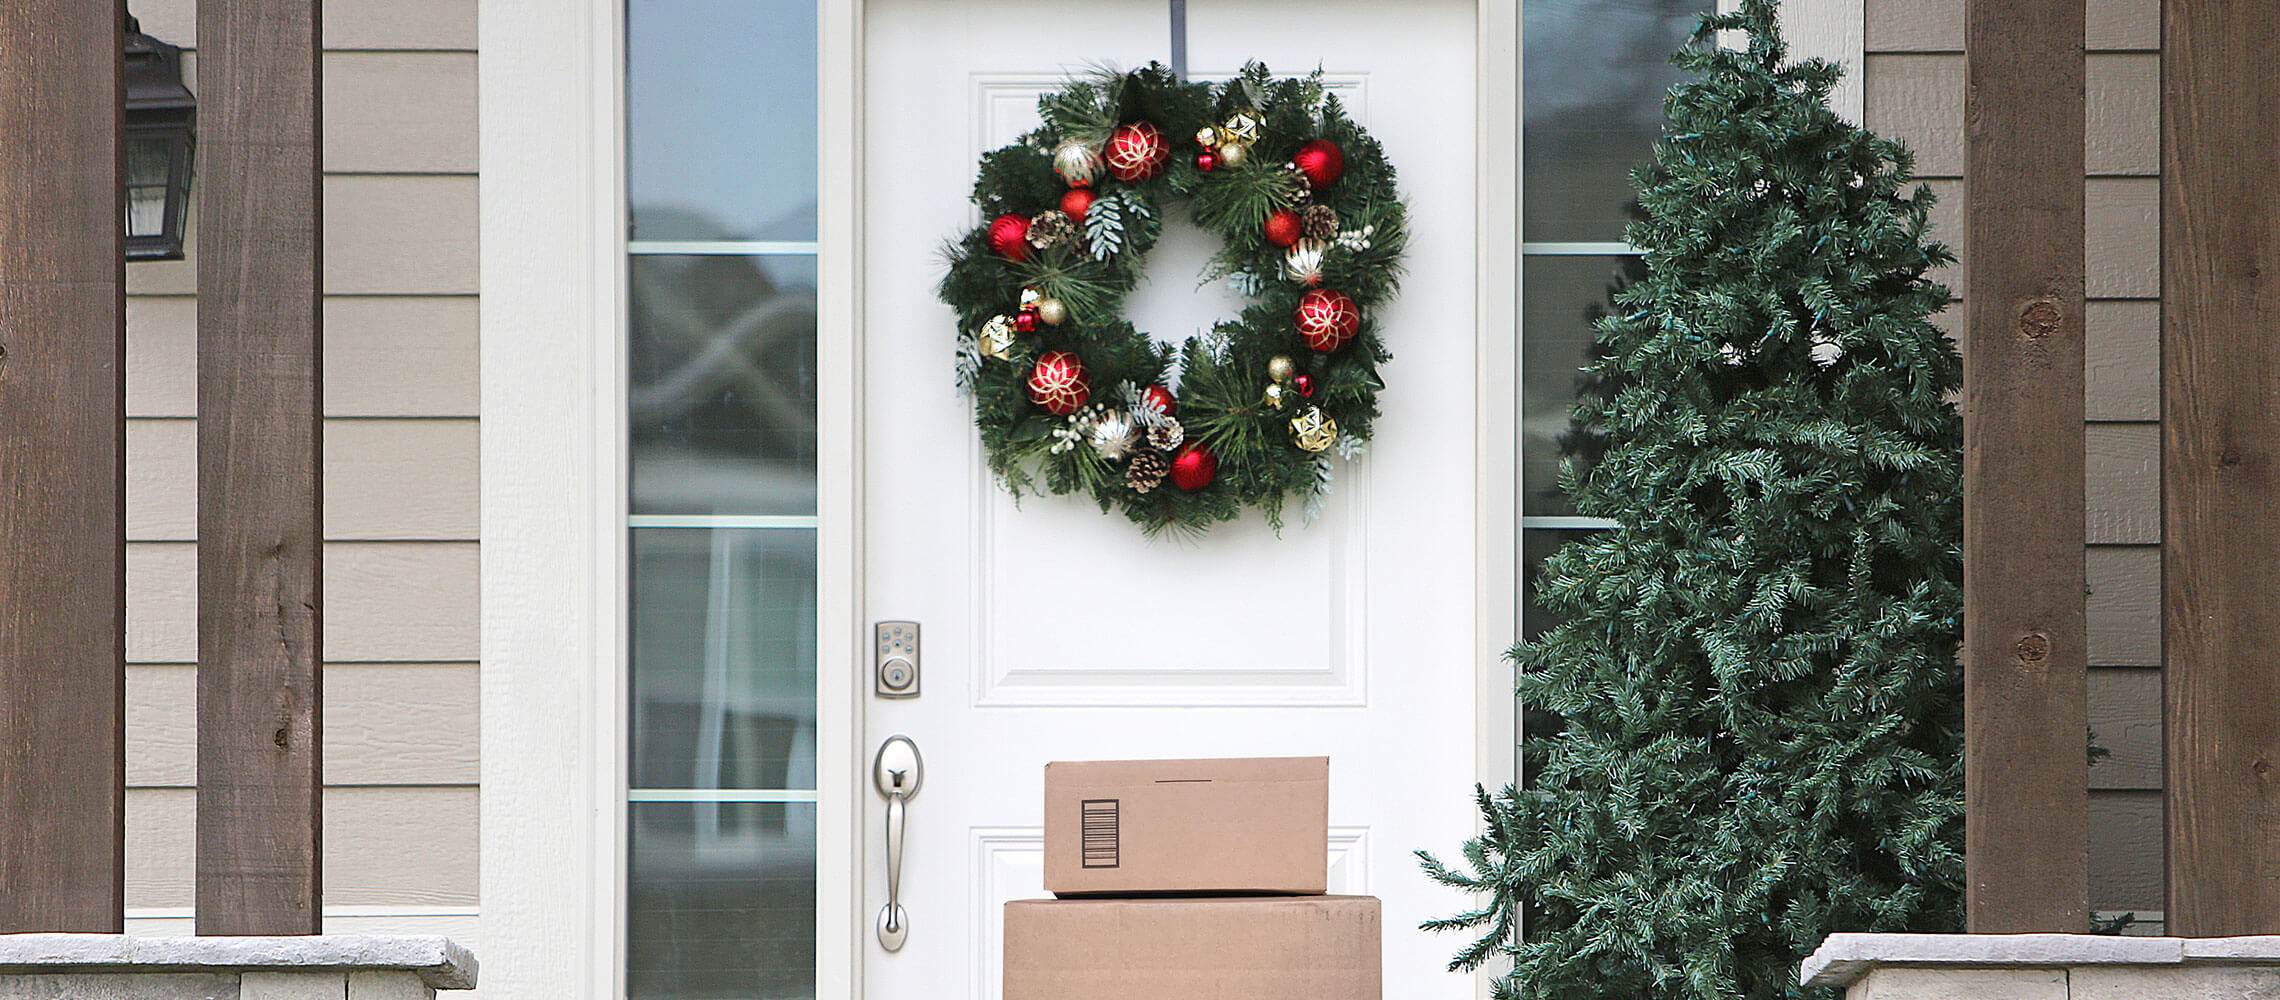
1076,162
1113,436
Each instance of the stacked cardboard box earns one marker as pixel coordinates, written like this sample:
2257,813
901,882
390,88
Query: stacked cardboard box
1188,879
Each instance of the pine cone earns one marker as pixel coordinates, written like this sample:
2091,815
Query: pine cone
1146,470
1051,228
1166,435
1320,224
1302,188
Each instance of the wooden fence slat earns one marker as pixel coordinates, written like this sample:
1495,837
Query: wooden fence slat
260,444
2221,465
2025,693
62,469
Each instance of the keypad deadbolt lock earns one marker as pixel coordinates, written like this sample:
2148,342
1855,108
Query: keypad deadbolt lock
895,660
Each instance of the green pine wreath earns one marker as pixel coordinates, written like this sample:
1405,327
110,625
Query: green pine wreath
1069,397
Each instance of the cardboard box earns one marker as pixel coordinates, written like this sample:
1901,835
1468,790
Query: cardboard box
1138,827
1252,947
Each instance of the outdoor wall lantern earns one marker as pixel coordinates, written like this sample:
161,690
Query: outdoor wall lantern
161,121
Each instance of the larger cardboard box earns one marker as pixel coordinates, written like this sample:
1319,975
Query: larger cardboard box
1230,825
1251,947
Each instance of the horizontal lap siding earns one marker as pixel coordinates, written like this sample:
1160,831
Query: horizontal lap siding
400,472
1914,77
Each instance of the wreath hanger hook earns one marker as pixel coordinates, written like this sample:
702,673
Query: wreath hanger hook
1179,40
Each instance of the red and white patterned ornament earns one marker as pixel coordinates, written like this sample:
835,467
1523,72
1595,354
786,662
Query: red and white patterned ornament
1136,152
1321,161
1058,383
1327,319
1009,237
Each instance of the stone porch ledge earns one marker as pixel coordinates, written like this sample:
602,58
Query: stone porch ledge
321,967
2044,967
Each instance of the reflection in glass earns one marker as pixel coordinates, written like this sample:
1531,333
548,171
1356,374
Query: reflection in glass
722,387
721,120
1595,76
723,658
1561,298
721,901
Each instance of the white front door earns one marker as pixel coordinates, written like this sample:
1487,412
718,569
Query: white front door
1051,631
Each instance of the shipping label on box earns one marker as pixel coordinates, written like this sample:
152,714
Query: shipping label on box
1228,825
1252,947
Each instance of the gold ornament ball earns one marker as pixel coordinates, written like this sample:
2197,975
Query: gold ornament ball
1232,155
1313,429
997,337
1279,367
1206,136
1242,127
1029,297
1273,396
1051,311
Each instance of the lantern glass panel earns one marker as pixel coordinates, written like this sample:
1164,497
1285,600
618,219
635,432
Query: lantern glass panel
149,166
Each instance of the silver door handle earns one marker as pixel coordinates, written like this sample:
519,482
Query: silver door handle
895,772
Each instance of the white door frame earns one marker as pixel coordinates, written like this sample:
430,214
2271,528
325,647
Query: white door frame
553,458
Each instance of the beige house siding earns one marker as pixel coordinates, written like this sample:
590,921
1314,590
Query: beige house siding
1914,76
401,582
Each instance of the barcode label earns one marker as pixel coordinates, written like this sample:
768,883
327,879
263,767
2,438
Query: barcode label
1098,832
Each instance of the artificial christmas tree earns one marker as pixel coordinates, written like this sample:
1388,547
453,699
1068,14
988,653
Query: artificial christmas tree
1754,672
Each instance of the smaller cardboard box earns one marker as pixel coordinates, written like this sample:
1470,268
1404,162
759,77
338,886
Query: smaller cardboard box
1253,947
1232,825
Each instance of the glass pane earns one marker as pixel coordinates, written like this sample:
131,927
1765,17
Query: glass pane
1561,297
720,901
723,658
1595,74
147,160
721,120
722,384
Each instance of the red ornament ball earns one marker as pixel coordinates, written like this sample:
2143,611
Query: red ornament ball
1136,152
1327,319
1058,383
1194,467
1207,161
1161,399
1283,227
1009,237
1321,162
1075,202
1304,384
1025,321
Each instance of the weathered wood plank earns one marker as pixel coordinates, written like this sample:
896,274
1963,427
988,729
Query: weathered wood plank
2221,465
260,447
62,459
2025,637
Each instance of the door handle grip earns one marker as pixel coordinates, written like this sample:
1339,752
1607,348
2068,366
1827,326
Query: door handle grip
896,773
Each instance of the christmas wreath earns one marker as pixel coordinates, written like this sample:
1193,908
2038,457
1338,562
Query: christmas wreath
1069,397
